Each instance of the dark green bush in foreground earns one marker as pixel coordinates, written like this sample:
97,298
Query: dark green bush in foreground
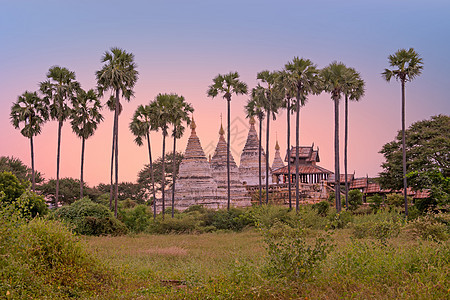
90,218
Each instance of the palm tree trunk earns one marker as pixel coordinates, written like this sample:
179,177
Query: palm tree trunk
33,178
173,174
163,184
259,160
82,164
404,150
57,163
116,194
267,156
289,150
345,151
111,189
297,147
228,153
337,183
152,176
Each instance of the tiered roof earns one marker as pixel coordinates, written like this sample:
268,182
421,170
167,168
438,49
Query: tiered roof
277,161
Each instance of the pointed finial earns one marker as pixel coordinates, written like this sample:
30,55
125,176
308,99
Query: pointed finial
193,126
252,120
277,147
221,131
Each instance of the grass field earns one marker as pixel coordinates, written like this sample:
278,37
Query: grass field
232,265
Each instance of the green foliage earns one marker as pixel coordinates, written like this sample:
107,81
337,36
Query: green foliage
69,190
137,218
354,199
30,205
375,201
432,226
289,255
43,259
11,187
90,218
340,220
19,169
397,200
322,208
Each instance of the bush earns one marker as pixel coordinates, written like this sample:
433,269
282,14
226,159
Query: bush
91,218
137,219
30,205
432,226
322,208
11,187
289,256
375,201
397,200
340,220
354,199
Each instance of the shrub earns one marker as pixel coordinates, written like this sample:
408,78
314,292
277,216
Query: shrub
289,255
397,200
340,220
91,218
322,208
431,226
354,199
11,187
375,201
137,219
30,205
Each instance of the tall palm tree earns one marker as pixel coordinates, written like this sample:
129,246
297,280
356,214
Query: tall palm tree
408,65
32,111
255,107
303,80
180,113
85,118
284,80
227,85
163,106
118,74
273,102
334,79
111,104
58,90
144,120
354,90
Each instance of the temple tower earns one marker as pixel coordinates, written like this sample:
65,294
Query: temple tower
248,168
277,163
195,184
238,193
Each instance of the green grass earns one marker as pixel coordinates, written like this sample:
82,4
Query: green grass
231,265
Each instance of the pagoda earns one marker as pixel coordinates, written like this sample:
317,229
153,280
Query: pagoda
238,193
248,168
277,163
195,184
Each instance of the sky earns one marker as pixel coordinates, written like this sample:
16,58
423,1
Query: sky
180,46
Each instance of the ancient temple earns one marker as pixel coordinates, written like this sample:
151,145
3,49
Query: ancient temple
238,193
309,171
249,167
195,184
277,163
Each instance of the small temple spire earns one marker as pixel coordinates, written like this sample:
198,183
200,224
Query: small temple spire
221,131
193,126
252,120
277,147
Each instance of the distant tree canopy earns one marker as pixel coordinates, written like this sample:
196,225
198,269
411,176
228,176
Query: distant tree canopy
69,190
18,168
428,161
127,190
144,174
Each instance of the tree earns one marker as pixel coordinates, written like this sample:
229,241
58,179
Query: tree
58,90
334,82
408,65
427,147
163,106
273,101
180,113
144,120
255,107
354,90
287,87
303,80
85,118
19,169
119,75
32,111
227,85
68,190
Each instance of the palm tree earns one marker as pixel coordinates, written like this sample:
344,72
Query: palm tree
142,123
272,104
85,118
58,90
163,107
408,65
334,79
255,107
118,74
180,113
354,90
302,80
33,112
227,85
286,86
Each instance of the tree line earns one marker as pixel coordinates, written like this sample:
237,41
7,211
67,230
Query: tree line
61,98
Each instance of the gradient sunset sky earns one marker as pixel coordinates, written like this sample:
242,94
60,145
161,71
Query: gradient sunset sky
180,46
